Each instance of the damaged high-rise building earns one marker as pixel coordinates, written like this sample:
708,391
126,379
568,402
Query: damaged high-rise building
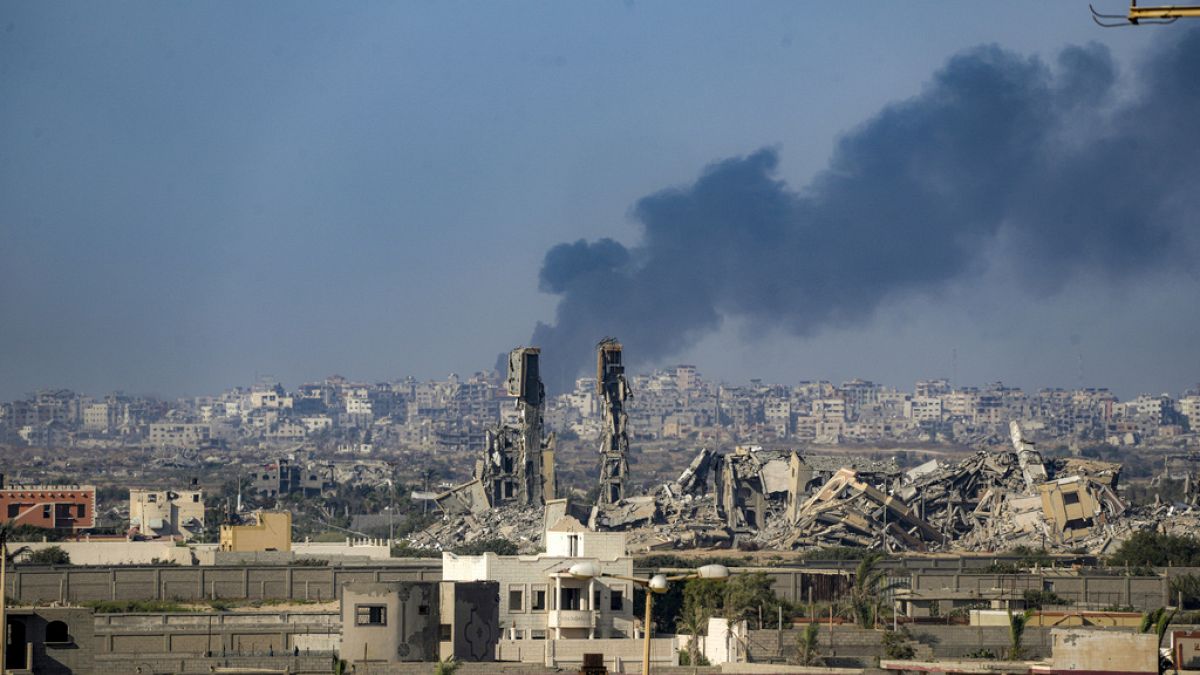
518,465
614,439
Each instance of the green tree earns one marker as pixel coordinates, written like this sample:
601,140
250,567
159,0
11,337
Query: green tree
1186,587
1157,549
497,545
746,595
693,623
808,651
897,644
703,596
1016,633
53,555
866,595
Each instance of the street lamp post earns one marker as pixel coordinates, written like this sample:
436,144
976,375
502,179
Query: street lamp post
659,583
3,599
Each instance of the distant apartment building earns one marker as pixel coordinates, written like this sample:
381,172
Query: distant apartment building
100,418
51,507
179,435
923,409
166,513
286,477
1189,409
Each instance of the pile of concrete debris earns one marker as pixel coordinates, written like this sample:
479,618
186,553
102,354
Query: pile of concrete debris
522,525
993,500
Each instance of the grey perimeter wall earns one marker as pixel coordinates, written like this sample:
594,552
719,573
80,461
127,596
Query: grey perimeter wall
321,583
297,582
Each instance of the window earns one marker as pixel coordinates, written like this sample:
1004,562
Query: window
82,510
570,598
14,510
370,615
423,610
595,599
538,601
56,631
616,600
195,498
46,511
572,545
537,634
1070,498
516,601
444,634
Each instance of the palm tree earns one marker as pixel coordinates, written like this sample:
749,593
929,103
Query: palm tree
807,645
1016,633
693,623
866,595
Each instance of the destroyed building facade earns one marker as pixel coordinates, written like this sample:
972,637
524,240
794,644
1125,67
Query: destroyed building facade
518,464
614,438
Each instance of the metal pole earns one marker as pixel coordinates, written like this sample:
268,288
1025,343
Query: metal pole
646,633
3,601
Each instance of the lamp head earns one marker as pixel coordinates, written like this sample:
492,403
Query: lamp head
584,570
658,583
713,572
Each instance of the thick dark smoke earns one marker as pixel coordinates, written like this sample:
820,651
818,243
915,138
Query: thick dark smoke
997,146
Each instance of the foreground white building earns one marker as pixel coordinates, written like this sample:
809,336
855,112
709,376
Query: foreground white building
539,600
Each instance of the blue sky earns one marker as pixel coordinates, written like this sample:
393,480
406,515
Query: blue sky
194,195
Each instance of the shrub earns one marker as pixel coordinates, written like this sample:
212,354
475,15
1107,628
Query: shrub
53,555
896,644
407,550
497,545
1158,550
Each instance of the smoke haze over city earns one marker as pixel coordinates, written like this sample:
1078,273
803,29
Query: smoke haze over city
192,197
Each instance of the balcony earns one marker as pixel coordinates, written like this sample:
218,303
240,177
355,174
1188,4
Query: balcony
571,618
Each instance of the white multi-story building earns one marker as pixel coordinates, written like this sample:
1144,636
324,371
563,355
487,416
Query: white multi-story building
1189,408
923,409
164,513
171,435
539,600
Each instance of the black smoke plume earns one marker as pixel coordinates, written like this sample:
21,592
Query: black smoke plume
996,146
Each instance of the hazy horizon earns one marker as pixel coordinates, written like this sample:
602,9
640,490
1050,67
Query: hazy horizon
194,195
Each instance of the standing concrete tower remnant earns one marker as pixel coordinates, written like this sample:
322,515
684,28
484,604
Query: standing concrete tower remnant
614,439
518,465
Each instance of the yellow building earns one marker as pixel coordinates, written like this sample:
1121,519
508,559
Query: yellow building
272,531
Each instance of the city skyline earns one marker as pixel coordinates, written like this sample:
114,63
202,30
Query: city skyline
385,189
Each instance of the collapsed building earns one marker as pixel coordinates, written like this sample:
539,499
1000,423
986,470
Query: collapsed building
613,389
991,499
780,499
517,465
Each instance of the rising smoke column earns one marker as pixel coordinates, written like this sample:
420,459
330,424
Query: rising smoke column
996,146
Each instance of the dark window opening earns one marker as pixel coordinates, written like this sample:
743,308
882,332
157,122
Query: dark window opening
444,632
56,631
423,610
615,601
1070,498
570,598
370,615
515,601
538,602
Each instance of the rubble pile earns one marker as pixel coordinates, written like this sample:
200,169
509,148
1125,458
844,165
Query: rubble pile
522,525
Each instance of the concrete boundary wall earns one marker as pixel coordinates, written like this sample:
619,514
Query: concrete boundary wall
70,584
171,635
